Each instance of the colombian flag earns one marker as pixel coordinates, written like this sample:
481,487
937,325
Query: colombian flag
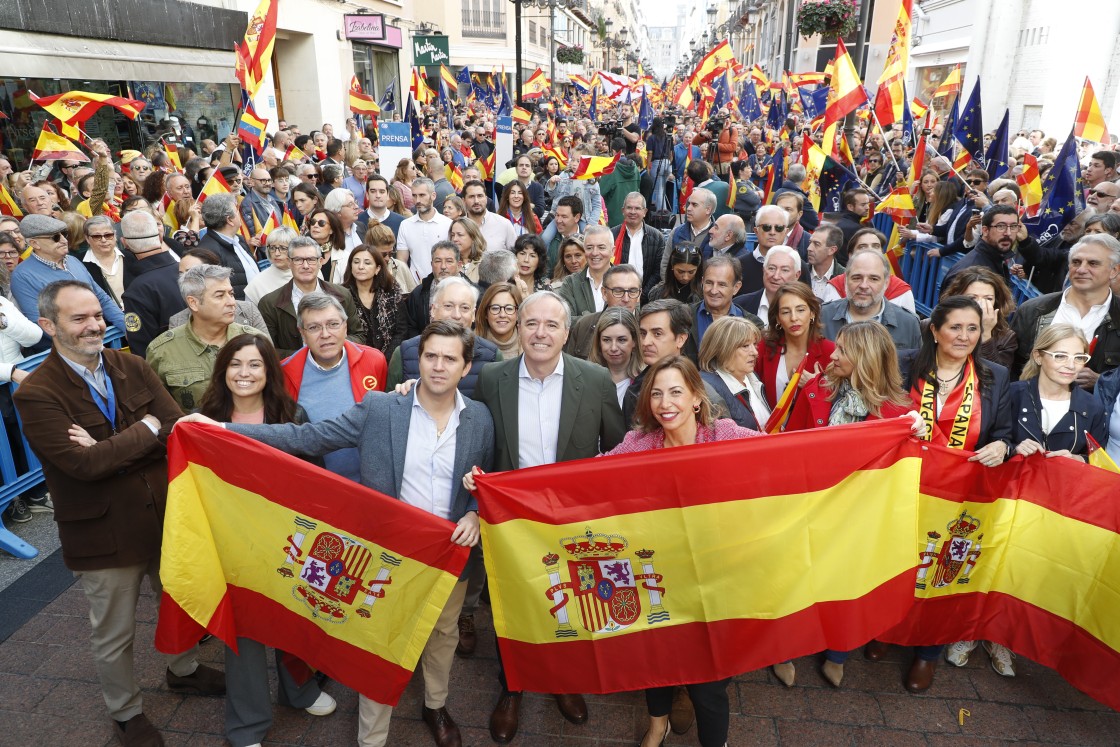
1013,554
729,572
293,556
593,167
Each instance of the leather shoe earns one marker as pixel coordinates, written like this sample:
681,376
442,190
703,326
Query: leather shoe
504,719
682,714
442,726
921,675
875,650
137,732
572,707
203,681
467,638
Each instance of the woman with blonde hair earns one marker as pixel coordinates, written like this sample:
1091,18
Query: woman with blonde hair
862,382
454,207
615,347
381,238
464,234
396,202
496,318
728,353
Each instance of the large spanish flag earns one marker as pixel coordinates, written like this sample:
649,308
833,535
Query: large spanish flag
729,569
262,545
1026,554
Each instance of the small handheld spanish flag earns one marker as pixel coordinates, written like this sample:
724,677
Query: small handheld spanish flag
593,167
1098,457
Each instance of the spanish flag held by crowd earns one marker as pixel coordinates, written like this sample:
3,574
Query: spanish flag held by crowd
290,555
734,570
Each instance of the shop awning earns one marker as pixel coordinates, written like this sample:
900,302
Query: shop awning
47,56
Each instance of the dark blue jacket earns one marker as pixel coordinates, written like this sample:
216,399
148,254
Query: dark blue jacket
1085,414
996,417
740,413
484,352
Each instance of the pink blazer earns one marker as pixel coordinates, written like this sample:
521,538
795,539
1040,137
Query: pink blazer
721,430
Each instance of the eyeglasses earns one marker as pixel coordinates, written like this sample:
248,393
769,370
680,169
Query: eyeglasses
314,329
100,236
57,237
263,181
9,255
497,308
314,177
306,261
624,292
319,223
278,248
974,182
1005,227
1062,358
768,228
1099,193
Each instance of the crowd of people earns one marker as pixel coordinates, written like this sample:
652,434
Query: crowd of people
523,319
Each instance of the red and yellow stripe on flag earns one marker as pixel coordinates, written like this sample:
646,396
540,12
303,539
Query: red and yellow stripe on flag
730,572
593,167
454,175
52,147
1012,554
1030,185
1089,122
295,557
215,185
8,205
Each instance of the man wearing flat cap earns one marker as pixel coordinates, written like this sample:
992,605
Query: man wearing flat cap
50,261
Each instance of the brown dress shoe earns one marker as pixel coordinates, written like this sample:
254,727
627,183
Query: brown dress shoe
875,650
137,732
572,707
203,681
682,714
504,719
467,638
921,675
442,726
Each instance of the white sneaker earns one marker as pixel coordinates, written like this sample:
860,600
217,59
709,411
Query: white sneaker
1003,659
324,705
959,651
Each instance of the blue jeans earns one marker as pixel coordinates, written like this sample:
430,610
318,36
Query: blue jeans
549,232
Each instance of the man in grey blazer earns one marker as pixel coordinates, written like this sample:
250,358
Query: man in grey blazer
547,407
416,448
867,275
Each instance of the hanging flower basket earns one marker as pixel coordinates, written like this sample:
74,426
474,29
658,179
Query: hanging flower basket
829,18
572,54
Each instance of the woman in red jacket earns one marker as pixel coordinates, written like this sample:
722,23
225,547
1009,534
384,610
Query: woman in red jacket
794,350
862,382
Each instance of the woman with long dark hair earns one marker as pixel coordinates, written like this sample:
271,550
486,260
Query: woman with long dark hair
324,227
794,349
966,404
515,206
997,340
682,282
247,386
378,298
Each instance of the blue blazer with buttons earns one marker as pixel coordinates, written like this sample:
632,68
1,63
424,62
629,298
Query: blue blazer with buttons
1085,415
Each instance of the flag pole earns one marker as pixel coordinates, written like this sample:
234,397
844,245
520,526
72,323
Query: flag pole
880,125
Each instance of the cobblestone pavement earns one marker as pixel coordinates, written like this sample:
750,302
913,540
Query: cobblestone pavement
49,695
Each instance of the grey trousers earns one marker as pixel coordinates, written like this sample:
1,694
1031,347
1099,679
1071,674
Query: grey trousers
248,696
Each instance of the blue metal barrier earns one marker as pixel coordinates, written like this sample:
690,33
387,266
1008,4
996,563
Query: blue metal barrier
1022,291
882,223
925,274
16,482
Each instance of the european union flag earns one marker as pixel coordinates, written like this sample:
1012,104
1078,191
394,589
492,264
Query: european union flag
945,145
388,102
808,104
995,160
464,76
414,123
835,179
505,106
748,102
645,113
723,93
445,102
593,110
970,127
1061,197
776,117
908,137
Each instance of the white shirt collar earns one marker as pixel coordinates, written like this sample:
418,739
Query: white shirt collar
315,363
523,372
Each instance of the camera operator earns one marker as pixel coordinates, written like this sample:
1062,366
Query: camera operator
630,130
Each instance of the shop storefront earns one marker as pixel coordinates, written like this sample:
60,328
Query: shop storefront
175,56
376,48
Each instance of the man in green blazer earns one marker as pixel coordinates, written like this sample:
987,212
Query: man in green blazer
547,407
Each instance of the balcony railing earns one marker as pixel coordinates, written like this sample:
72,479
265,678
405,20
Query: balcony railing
484,24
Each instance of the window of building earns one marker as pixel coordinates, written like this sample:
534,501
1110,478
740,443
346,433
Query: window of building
532,33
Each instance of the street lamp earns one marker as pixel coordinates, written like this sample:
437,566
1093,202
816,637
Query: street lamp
552,5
